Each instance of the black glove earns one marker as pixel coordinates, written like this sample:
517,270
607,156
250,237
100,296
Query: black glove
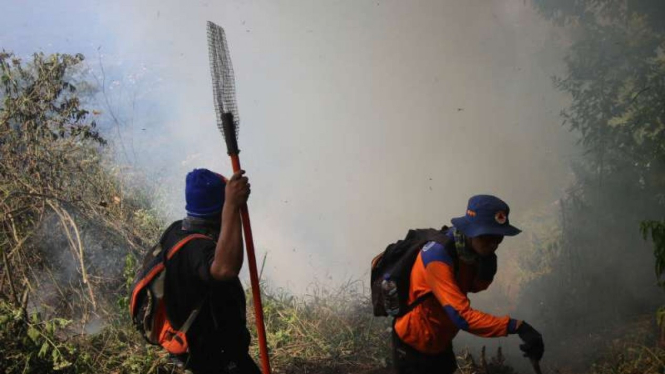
533,346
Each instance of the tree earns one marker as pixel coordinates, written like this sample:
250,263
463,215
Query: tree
66,222
655,230
615,76
62,209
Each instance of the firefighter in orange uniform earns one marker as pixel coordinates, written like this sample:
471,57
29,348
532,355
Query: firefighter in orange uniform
466,262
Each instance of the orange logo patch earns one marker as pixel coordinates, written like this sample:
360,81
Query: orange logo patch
500,217
470,213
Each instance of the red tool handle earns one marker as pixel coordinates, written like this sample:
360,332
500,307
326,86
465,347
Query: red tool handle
253,276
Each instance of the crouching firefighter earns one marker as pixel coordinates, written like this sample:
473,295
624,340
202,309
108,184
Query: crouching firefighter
187,296
423,282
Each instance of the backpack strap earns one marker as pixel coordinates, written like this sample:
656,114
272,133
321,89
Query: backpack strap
192,316
427,295
168,255
171,252
142,283
418,301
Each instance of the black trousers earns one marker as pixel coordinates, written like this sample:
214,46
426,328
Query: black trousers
220,364
410,361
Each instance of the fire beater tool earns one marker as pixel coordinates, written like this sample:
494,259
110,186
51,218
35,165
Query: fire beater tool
228,121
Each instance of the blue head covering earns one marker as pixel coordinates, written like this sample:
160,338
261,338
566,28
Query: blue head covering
204,193
485,215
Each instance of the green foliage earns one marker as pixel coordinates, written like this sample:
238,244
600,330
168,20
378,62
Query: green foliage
655,230
67,222
572,12
148,221
37,345
616,79
615,76
543,245
33,345
61,203
128,273
40,102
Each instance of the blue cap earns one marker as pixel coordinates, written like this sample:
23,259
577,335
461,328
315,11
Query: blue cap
204,193
485,215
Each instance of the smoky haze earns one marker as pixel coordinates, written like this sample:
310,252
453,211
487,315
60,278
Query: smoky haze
359,120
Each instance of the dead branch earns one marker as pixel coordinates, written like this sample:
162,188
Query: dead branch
24,303
8,270
19,245
483,361
76,246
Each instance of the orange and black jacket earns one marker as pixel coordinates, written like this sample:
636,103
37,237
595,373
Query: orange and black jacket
431,326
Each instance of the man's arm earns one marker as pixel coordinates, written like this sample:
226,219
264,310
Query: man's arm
440,277
229,250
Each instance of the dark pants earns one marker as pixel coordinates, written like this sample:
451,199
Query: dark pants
220,364
409,361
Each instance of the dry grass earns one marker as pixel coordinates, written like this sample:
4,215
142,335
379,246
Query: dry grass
331,329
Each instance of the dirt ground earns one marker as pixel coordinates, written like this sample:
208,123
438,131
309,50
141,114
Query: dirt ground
315,369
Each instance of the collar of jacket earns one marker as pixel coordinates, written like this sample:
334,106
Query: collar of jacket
464,253
201,226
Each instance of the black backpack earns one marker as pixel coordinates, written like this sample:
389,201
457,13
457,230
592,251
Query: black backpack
396,263
147,305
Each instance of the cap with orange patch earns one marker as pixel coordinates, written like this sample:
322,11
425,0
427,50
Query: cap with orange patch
486,215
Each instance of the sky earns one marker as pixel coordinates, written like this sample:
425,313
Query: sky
359,119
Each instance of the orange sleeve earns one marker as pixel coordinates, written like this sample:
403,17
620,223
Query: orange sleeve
440,276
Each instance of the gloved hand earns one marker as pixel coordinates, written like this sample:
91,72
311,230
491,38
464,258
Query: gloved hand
533,346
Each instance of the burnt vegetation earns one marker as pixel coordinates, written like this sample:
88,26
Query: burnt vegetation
72,232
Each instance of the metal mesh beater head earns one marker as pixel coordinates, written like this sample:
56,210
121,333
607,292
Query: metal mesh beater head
223,84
